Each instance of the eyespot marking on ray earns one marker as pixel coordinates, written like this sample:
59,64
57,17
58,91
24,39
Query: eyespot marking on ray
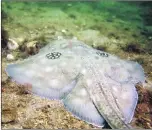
117,79
102,54
53,55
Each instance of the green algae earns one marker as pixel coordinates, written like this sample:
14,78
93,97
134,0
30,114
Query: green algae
123,19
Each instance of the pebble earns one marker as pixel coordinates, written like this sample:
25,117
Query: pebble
21,40
31,47
12,44
60,37
10,57
63,31
46,27
31,44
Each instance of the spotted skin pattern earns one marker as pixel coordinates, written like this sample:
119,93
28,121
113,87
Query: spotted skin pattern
93,85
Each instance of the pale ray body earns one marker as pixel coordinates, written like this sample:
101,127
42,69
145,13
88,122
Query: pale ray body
94,85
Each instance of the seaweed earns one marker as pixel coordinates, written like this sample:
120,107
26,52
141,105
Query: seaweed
143,111
134,48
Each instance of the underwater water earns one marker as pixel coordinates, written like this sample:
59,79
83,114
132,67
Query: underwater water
120,28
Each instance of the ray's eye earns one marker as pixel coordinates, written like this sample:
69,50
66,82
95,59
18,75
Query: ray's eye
53,55
102,54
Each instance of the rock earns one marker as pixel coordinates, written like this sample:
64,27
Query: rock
31,47
32,44
12,44
63,31
45,27
10,57
60,37
21,40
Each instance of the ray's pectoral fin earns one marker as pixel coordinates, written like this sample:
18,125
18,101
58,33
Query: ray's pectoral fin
136,71
127,98
39,85
14,71
80,105
53,93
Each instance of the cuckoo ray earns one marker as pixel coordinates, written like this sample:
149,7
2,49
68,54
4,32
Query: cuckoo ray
94,86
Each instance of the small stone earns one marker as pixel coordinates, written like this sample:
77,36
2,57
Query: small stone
10,57
63,31
12,44
32,44
21,40
31,47
94,44
46,27
60,37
